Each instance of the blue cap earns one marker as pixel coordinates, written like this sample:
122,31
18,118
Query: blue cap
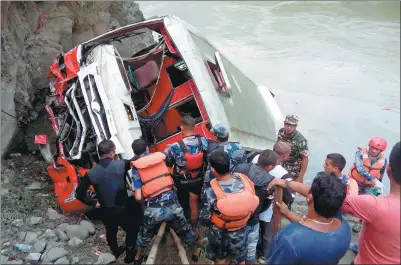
220,131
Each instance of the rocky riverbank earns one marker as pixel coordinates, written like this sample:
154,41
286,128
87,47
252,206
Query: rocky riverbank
34,229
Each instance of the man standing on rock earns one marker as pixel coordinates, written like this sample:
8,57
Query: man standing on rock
109,180
297,162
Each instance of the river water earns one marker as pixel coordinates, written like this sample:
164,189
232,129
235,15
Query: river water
334,64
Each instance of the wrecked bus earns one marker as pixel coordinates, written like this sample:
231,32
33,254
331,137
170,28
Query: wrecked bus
97,94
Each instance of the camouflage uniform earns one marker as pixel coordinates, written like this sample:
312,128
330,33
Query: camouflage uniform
175,157
299,147
233,149
219,243
162,208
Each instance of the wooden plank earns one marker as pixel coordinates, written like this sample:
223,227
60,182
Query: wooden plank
181,251
278,197
155,246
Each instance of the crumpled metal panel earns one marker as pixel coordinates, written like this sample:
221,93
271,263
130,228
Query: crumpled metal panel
252,116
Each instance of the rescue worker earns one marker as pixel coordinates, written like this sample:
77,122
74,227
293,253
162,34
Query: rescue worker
368,170
369,166
297,162
260,177
233,149
380,236
109,181
188,158
226,208
153,185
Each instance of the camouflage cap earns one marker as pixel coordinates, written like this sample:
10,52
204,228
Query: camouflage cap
220,130
291,119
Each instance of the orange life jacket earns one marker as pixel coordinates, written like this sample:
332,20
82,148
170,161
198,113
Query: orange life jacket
234,209
194,162
154,175
374,170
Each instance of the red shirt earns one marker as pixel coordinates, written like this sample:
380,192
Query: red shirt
379,239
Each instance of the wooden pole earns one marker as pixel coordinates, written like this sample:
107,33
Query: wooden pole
278,197
155,246
181,251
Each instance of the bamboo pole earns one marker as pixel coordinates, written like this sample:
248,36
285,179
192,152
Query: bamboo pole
181,251
278,197
155,246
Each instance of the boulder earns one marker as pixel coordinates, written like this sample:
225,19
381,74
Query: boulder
75,260
54,254
60,234
78,38
49,236
63,226
105,258
6,251
88,226
33,258
74,242
77,231
100,28
58,19
29,237
63,260
32,15
51,245
18,223
126,12
40,56
39,246
52,214
34,220
3,259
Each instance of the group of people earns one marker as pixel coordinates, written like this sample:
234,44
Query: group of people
212,183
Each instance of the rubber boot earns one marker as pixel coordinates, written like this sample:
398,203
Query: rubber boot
129,255
117,251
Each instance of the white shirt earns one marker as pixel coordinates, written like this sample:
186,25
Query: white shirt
276,172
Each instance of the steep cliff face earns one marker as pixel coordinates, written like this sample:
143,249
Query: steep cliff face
34,33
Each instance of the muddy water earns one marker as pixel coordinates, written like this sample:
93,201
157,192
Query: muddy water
334,64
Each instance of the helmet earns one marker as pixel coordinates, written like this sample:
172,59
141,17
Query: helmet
379,143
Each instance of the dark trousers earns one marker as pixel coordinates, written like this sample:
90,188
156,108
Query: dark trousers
265,238
128,218
183,199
